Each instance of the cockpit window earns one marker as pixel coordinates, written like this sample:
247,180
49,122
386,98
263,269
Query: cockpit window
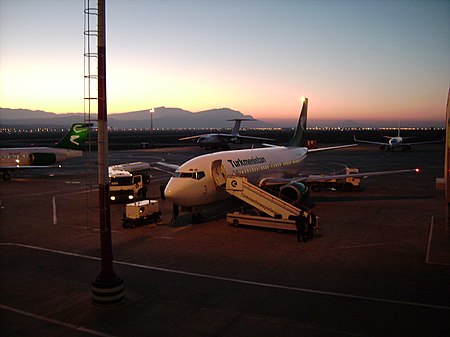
199,175
193,175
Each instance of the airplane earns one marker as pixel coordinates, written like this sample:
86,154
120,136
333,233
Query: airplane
44,157
197,182
222,140
396,143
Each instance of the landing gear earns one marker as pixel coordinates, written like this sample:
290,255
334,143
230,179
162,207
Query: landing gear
197,218
5,176
197,215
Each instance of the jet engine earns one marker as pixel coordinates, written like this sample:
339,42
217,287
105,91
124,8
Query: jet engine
294,193
42,159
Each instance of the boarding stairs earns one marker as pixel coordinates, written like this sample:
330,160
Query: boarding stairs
270,204
277,213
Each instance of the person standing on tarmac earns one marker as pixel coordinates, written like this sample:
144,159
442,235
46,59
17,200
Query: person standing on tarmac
300,225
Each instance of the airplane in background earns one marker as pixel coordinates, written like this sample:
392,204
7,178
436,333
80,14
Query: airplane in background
44,157
223,140
396,143
199,181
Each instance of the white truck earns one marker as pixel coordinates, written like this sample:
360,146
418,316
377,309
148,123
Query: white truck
128,182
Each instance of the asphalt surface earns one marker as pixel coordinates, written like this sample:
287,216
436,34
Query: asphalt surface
378,266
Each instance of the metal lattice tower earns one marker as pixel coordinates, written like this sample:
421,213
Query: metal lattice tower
90,100
90,62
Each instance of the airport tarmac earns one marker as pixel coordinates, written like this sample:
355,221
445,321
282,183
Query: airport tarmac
378,266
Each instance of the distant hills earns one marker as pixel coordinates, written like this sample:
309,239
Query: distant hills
175,118
163,117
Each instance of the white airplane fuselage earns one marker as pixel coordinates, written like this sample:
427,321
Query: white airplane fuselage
27,156
197,182
395,143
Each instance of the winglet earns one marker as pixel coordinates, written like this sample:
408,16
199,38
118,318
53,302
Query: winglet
299,137
75,137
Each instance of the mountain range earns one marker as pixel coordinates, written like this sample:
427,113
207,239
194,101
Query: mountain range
176,118
163,117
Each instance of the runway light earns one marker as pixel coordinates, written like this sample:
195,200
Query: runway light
417,170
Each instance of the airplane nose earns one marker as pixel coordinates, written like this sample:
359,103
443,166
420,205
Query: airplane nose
168,191
175,192
181,192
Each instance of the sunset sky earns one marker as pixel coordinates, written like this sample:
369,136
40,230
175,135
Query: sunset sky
355,60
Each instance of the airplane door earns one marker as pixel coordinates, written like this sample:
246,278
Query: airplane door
218,173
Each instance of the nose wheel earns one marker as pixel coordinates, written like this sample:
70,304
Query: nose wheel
197,218
197,215
175,211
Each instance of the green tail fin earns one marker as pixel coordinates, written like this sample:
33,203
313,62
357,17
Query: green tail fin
74,138
299,137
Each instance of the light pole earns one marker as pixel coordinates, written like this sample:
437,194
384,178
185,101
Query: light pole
107,287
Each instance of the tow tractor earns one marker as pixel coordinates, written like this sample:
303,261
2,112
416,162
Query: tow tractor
141,213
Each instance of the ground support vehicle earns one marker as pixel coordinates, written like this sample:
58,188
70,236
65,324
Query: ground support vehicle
141,213
344,184
128,182
269,211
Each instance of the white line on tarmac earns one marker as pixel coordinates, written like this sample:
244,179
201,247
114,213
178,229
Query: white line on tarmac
55,321
363,245
233,280
430,235
427,260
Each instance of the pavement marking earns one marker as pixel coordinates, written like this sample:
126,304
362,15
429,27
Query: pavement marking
427,258
430,235
365,245
234,280
55,321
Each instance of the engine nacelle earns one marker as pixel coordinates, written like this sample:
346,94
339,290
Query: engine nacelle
42,159
294,192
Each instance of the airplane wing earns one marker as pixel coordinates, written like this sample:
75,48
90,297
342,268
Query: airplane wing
225,136
370,142
331,148
22,167
325,177
191,137
427,142
243,137
166,167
